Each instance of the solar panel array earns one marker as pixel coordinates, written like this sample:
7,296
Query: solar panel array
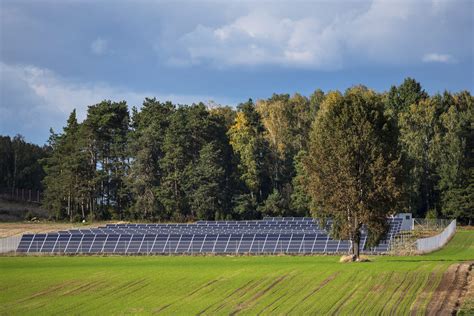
272,235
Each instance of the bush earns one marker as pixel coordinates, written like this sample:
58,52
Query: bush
29,216
431,214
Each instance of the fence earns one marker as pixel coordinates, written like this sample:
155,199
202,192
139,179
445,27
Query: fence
429,244
19,194
9,244
427,224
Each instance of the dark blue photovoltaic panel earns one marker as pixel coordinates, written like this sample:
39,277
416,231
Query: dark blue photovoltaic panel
110,243
37,243
98,243
135,243
271,235
49,243
233,243
25,242
122,243
245,243
73,245
160,242
147,243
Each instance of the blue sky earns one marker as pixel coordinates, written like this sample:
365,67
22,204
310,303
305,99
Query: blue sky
59,55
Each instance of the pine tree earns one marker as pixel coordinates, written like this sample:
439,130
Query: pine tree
146,148
300,200
206,183
455,155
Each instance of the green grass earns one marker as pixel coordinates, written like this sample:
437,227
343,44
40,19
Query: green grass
181,285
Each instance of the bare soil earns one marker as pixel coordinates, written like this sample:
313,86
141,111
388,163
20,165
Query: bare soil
451,291
13,229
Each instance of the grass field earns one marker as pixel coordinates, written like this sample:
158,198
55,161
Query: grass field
225,285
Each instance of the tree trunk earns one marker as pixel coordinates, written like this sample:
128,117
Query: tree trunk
356,249
69,206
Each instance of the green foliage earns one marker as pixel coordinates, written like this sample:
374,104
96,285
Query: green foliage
300,200
455,157
20,164
400,98
146,140
353,165
431,214
247,141
206,182
245,207
274,205
169,162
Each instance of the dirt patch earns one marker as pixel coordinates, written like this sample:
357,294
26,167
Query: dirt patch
447,296
466,303
20,228
14,229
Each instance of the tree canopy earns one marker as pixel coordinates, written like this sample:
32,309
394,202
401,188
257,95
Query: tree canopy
367,153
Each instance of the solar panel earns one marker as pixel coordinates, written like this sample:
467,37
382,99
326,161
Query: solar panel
270,235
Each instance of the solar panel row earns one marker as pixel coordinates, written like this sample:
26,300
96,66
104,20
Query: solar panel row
196,238
126,244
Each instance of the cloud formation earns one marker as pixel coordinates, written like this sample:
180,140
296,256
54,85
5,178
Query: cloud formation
438,58
34,99
388,32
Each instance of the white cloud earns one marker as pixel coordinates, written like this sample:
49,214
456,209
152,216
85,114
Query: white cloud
99,46
325,36
438,58
33,99
261,38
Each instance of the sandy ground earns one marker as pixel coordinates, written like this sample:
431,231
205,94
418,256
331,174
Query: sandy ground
14,229
452,290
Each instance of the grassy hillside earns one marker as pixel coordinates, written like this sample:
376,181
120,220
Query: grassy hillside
224,285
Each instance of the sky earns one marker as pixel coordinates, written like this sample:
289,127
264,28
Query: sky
60,55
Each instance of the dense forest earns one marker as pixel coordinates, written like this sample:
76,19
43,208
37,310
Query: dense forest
164,161
20,165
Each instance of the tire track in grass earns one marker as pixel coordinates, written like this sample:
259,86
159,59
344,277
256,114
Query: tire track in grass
302,287
315,290
279,297
193,293
259,285
50,290
224,301
394,291
83,288
426,293
403,303
346,300
400,294
340,294
258,295
114,294
203,287
375,289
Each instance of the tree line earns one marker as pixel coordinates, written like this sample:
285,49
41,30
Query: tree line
20,166
282,156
